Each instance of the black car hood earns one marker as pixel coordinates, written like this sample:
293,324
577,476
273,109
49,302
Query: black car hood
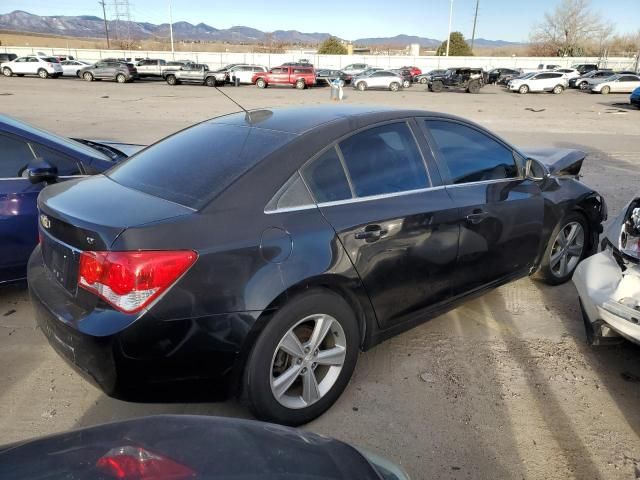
193,447
559,161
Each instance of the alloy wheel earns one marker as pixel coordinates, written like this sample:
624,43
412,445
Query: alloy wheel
307,361
567,249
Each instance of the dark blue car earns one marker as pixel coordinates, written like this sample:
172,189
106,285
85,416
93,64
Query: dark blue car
635,97
23,147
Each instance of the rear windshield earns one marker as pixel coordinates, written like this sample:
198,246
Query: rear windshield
195,165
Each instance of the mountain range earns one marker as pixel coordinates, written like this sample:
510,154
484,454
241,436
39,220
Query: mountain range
89,26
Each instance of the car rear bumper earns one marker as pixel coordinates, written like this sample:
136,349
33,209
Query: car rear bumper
141,352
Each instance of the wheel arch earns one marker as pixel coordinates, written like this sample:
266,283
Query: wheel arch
354,295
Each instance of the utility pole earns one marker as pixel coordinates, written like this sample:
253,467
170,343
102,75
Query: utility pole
475,19
106,26
449,36
173,53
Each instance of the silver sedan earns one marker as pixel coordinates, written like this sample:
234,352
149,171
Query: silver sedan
383,80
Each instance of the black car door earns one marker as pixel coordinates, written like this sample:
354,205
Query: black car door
500,212
395,221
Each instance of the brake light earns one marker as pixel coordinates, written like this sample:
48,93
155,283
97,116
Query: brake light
135,463
132,280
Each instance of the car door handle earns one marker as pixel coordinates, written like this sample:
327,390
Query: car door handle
371,232
477,216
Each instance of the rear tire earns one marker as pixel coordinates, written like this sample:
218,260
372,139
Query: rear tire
473,87
210,81
558,89
551,270
317,311
437,86
583,85
301,85
42,73
172,80
423,80
260,83
120,78
6,71
394,87
87,76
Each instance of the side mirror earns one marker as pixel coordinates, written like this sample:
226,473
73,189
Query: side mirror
535,171
42,171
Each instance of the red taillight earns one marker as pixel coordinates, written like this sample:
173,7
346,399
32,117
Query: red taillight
132,280
135,463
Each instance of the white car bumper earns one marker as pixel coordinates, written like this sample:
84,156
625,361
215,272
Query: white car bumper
610,297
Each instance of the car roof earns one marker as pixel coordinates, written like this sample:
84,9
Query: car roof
48,139
299,120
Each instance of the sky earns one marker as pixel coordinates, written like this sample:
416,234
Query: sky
349,19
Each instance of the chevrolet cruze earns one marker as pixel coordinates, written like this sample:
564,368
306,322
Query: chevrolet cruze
263,250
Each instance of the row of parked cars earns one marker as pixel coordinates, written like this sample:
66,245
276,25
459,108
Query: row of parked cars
301,75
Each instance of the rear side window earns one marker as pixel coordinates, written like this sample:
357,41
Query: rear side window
470,155
196,164
326,178
384,160
293,194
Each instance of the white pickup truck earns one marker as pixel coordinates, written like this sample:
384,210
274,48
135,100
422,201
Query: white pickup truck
154,67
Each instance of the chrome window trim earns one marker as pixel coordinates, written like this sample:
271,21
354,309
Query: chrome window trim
485,182
61,176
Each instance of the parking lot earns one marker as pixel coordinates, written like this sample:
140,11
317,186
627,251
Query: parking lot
502,387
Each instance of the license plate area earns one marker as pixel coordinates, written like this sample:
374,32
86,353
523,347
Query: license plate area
62,262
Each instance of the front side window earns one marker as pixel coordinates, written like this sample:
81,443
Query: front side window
470,155
384,160
326,178
16,155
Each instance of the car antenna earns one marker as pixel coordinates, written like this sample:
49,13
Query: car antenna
252,117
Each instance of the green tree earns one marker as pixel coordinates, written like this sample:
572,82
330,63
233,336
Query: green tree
332,46
459,47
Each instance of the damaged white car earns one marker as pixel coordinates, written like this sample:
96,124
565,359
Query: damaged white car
609,282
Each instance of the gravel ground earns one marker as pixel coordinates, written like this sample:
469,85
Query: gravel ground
502,387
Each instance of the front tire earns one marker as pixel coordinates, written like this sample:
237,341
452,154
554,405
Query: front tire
423,80
605,90
172,80
406,84
583,85
42,73
210,82
523,90
303,360
362,86
474,87
568,245
260,83
437,86
87,76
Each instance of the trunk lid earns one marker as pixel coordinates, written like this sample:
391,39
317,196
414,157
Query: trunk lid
559,161
88,214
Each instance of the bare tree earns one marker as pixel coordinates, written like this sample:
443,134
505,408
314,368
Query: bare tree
570,28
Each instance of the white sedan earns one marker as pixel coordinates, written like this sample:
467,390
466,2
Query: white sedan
539,82
617,84
70,68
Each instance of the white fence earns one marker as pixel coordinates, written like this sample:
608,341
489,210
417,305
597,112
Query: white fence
215,60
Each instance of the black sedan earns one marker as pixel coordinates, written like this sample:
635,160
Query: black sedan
497,75
325,76
264,249
187,447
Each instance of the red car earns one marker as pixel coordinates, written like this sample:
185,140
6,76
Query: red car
298,76
414,71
